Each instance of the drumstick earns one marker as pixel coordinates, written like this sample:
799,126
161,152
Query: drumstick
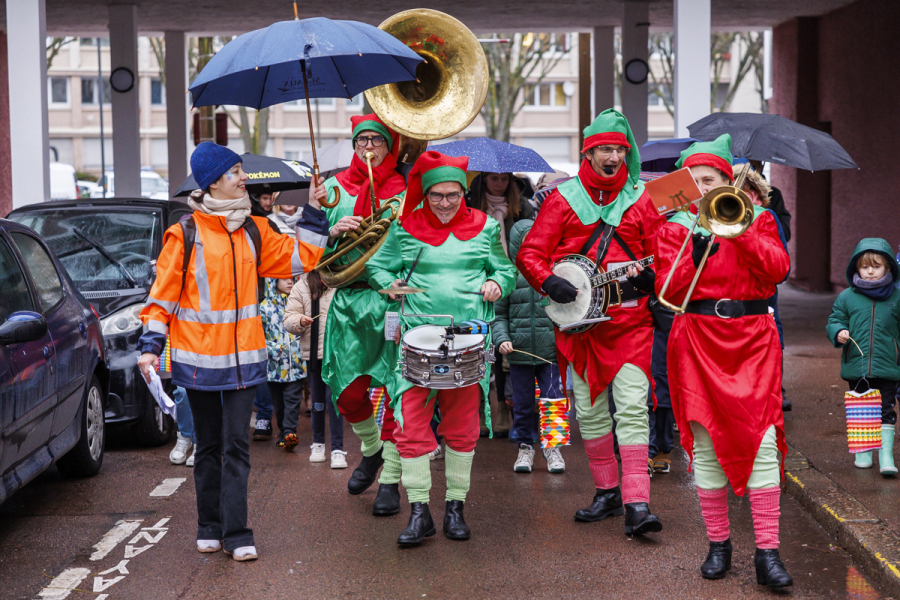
532,355
473,293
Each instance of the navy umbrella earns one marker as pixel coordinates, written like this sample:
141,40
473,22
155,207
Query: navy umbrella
264,174
661,155
774,139
492,156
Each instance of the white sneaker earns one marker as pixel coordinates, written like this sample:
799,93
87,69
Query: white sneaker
318,453
253,421
190,461
179,453
555,462
436,454
338,459
244,553
207,546
525,461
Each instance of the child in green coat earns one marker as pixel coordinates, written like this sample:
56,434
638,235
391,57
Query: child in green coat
865,323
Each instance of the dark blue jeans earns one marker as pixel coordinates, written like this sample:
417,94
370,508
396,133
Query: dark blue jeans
662,420
320,395
263,403
222,464
526,422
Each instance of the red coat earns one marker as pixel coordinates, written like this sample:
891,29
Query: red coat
726,373
598,354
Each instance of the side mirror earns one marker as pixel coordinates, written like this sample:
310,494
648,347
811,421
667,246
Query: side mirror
23,326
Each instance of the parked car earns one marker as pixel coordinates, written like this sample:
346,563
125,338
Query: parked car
108,248
63,182
153,186
53,375
85,188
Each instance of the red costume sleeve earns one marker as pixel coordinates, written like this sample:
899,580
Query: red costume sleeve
763,253
668,243
533,260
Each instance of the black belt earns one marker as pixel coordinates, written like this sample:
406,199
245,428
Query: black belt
728,309
622,291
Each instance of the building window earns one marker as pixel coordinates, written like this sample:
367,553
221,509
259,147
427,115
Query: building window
88,41
324,103
58,91
550,95
89,90
157,92
356,103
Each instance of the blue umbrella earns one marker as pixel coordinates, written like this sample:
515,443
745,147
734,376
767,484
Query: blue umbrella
493,156
661,155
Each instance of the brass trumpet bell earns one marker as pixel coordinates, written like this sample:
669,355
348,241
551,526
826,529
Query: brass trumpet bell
726,211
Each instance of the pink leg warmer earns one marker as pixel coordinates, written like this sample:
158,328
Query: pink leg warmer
714,504
602,460
766,508
635,478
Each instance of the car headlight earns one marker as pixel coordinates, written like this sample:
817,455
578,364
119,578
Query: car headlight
123,321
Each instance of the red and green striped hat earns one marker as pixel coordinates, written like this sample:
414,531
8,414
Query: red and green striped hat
431,169
715,154
610,127
372,123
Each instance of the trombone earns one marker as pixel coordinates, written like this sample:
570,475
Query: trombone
726,212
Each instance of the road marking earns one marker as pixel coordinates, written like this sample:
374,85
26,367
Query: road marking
113,537
167,487
63,584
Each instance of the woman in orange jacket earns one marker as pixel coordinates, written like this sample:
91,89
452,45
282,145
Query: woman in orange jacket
211,317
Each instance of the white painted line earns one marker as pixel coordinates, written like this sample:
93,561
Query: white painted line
167,487
114,536
63,584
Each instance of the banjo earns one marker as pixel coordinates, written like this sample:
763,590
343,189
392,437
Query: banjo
597,291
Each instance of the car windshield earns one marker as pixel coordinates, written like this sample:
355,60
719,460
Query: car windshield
153,185
127,241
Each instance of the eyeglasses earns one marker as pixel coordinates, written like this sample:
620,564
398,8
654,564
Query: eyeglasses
451,197
377,141
608,150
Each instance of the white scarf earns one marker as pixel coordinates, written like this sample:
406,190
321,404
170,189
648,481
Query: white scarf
499,208
234,211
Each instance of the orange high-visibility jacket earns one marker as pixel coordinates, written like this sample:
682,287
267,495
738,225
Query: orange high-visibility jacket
215,332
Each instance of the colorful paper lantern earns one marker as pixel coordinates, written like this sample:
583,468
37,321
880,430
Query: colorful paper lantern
863,420
554,422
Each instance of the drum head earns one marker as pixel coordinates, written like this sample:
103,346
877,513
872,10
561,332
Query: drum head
581,307
428,337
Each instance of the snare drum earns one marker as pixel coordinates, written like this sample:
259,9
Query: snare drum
425,364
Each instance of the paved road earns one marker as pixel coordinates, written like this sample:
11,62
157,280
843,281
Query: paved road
316,541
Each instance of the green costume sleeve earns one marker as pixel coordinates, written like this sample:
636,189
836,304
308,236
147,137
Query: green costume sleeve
499,268
838,321
383,268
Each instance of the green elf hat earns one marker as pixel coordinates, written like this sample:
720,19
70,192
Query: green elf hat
431,169
610,127
372,123
715,154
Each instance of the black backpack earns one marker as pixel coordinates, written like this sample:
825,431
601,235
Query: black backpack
189,229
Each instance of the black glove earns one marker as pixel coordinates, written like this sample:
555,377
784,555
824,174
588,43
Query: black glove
700,243
644,281
559,289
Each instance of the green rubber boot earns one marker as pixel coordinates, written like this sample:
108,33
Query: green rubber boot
863,460
886,454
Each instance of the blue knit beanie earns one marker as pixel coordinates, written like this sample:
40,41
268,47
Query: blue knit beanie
210,161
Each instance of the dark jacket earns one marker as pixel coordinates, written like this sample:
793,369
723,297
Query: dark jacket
873,325
776,205
520,318
525,209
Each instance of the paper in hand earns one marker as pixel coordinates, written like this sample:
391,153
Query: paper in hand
159,394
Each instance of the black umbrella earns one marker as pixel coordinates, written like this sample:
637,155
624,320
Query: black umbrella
774,139
264,174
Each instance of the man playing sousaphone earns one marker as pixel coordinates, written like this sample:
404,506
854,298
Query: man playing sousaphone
460,263
605,215
356,355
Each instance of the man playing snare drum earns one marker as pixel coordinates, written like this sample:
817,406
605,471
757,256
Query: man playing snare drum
461,252
605,205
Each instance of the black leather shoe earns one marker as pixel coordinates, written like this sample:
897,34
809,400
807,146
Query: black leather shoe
387,502
455,527
770,570
365,473
718,560
639,520
420,525
607,503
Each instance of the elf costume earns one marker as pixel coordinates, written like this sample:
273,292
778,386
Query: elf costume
457,256
356,355
614,353
725,386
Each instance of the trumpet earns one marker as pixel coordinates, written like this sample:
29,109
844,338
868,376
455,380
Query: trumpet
726,212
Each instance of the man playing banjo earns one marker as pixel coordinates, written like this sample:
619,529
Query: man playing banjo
605,215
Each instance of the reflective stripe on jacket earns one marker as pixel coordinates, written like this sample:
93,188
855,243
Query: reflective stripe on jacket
215,331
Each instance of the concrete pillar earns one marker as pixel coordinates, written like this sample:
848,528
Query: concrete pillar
604,68
635,33
6,204
177,107
584,81
125,105
26,27
692,64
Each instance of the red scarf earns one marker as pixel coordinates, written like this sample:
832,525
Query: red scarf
595,184
388,182
424,225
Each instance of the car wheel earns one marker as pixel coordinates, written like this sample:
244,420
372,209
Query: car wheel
85,459
155,427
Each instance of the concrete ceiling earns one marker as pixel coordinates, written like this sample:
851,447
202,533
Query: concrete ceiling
86,17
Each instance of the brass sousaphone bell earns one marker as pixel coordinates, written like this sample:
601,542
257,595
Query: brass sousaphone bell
449,90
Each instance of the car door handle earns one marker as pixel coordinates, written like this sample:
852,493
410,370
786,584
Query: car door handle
48,351
83,329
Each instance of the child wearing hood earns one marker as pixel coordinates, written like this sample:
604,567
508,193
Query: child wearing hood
868,313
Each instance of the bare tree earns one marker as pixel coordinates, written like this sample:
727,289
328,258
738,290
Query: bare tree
661,44
158,46
54,45
526,60
759,72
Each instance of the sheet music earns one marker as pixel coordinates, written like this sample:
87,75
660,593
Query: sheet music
391,323
156,390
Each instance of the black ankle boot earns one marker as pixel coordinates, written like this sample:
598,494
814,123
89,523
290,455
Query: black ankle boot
718,560
607,503
770,570
365,473
639,520
455,527
387,502
420,525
